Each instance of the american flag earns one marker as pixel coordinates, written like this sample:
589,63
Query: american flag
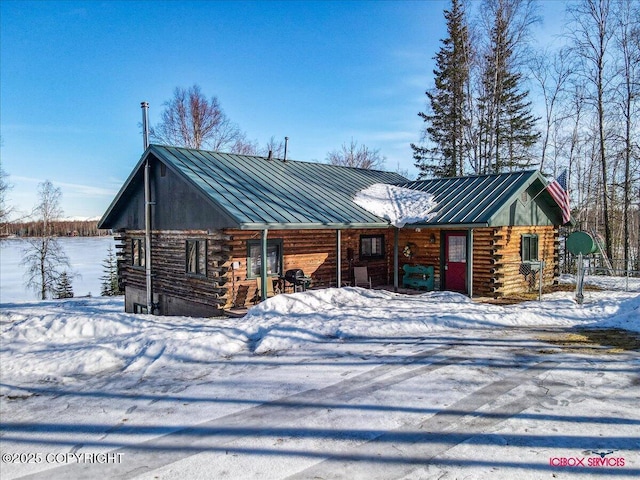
558,190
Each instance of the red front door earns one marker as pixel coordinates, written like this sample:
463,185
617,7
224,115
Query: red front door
455,261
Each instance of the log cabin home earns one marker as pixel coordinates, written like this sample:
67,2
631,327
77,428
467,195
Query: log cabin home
210,219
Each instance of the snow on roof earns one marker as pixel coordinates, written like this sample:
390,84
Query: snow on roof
399,205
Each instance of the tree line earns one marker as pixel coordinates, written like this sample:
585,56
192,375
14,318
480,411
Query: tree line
480,111
57,228
47,268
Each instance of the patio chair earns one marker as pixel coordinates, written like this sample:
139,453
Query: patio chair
361,277
270,290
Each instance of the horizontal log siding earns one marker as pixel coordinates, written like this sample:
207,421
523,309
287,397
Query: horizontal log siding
483,263
314,252
424,252
507,278
496,257
168,262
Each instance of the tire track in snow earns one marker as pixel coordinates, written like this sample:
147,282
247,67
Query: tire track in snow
150,455
158,452
448,421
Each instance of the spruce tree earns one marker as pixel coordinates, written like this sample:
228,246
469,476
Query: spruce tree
63,288
109,286
447,100
506,122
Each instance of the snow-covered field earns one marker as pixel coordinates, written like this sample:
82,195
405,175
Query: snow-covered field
337,383
86,255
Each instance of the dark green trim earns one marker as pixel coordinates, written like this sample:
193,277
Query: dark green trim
377,256
529,247
200,243
258,243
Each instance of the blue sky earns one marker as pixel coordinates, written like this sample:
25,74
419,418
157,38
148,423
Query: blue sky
73,74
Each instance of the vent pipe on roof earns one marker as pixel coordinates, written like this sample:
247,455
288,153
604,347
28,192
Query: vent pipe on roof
270,157
286,143
145,124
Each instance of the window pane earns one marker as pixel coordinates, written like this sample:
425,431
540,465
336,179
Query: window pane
457,247
202,257
273,256
135,252
254,257
138,252
365,247
529,248
192,257
376,246
372,246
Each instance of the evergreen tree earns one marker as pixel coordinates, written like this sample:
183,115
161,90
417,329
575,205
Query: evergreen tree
447,101
506,123
63,288
109,286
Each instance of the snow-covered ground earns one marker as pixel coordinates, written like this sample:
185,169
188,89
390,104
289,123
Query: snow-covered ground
86,255
336,383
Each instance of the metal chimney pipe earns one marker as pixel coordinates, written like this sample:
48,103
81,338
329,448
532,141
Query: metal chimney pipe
286,143
145,124
147,208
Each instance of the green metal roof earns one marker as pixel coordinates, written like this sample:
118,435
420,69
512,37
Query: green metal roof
477,200
252,192
261,193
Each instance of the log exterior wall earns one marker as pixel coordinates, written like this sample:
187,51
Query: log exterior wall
314,252
497,257
496,263
425,248
507,276
176,292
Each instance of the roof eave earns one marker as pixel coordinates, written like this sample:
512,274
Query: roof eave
448,226
123,189
311,226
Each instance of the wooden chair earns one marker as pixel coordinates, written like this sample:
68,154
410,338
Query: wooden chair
361,277
270,290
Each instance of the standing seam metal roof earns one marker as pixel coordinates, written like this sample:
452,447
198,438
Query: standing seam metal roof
473,200
261,193
258,191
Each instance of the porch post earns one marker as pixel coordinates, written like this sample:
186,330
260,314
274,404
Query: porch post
263,264
470,263
396,231
338,259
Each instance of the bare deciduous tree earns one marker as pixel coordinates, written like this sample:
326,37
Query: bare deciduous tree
43,256
352,155
551,72
627,41
276,147
5,210
191,120
591,36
